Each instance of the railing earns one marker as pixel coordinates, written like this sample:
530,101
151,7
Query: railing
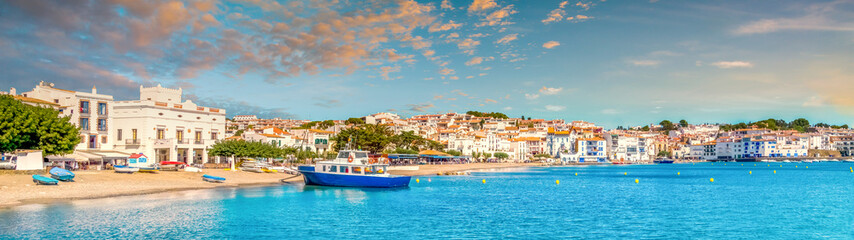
197,141
183,141
132,141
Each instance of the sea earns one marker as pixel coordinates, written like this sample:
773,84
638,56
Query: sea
667,201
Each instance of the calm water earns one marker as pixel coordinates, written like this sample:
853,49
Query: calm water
601,202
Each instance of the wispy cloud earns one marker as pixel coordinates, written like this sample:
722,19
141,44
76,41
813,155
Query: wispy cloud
818,17
507,39
531,96
555,108
732,64
550,91
421,107
551,44
645,63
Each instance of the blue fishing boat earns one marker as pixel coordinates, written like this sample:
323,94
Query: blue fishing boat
125,169
209,178
61,174
353,169
42,180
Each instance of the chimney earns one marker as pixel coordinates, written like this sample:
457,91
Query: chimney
94,90
13,91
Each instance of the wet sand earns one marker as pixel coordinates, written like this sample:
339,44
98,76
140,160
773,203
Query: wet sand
19,189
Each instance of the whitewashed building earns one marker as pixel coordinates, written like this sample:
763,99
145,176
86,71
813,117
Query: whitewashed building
165,128
88,110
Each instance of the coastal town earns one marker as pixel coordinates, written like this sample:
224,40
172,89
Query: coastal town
167,128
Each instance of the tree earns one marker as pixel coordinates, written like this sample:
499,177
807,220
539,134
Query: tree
844,126
490,114
371,137
404,151
823,125
800,124
407,140
454,152
645,128
355,121
666,125
683,123
501,155
542,155
663,153
29,127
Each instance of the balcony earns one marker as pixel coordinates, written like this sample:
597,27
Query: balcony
131,141
198,141
164,143
183,141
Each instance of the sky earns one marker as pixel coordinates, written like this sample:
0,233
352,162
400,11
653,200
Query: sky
613,63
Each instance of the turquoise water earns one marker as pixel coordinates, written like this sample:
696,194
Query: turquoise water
601,202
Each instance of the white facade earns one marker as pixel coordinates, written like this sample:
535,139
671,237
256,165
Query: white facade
162,127
88,110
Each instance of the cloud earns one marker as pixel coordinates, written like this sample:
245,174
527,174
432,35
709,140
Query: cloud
385,70
732,64
480,5
550,91
645,63
421,107
238,107
554,16
818,17
507,39
446,71
610,111
498,18
551,44
531,96
477,60
814,101
460,92
508,108
578,18
437,27
468,43
555,108
328,103
489,101
446,4
584,6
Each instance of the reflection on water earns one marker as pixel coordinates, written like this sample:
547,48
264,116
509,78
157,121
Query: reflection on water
600,202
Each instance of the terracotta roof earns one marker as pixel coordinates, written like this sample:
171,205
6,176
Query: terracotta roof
34,100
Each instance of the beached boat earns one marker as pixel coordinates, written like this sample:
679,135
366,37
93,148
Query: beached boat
42,180
352,169
172,166
61,174
125,169
663,161
149,169
192,169
209,178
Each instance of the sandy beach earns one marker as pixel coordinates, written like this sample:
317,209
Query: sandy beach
19,189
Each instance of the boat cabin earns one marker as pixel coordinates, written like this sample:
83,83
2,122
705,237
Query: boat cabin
352,162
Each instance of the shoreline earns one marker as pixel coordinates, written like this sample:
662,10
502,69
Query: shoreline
19,190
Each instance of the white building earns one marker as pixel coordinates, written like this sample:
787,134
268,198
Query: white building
88,110
163,127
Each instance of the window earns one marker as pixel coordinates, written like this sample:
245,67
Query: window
103,139
198,136
213,136
84,123
133,134
119,135
179,134
102,108
161,133
102,124
84,106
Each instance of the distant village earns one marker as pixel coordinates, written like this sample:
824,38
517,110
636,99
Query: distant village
165,127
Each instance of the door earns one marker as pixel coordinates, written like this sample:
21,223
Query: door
93,141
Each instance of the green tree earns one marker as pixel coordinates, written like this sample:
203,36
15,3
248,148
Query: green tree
454,152
683,123
407,140
800,124
29,127
645,128
355,121
371,137
666,125
501,155
663,153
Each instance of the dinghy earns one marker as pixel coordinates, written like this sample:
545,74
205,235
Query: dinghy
209,178
149,169
42,180
125,169
61,174
192,169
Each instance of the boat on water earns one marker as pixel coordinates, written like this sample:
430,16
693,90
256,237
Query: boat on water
663,161
352,168
125,169
787,161
61,174
42,180
621,163
215,179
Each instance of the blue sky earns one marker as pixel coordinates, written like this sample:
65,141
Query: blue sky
609,62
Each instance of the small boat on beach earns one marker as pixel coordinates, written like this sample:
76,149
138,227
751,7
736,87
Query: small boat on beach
125,169
149,169
172,165
42,180
61,174
214,179
353,169
192,169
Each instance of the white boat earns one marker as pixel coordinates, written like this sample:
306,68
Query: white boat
786,161
125,169
192,169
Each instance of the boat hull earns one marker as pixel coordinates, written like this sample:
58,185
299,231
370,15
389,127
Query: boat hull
342,180
215,179
664,162
61,174
41,180
125,169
